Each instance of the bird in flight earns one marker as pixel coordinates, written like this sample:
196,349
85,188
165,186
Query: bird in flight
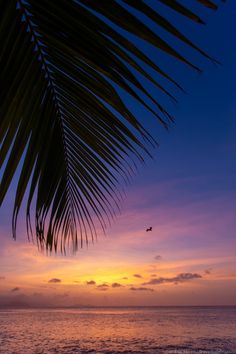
149,229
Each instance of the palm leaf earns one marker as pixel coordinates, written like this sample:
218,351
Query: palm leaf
63,122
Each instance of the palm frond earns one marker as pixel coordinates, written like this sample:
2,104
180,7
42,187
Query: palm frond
61,113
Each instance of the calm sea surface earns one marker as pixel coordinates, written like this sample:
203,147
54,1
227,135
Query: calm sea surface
119,330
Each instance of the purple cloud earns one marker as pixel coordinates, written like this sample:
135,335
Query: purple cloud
180,278
54,280
103,287
157,257
208,271
141,289
91,282
116,285
15,289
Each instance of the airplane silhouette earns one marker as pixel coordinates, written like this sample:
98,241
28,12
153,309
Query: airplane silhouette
149,229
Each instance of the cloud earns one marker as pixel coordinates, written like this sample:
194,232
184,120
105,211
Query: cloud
91,282
137,275
125,278
153,275
2,278
141,289
180,278
157,257
54,280
76,281
116,285
208,271
103,287
15,289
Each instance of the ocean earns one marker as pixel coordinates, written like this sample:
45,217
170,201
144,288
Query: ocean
153,330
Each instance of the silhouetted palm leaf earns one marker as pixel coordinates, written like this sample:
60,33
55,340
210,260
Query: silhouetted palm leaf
61,114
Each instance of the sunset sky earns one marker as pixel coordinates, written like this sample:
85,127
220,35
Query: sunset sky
187,193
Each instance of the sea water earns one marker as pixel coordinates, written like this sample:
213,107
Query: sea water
184,330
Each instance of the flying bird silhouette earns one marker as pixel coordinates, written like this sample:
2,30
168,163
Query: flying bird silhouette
149,229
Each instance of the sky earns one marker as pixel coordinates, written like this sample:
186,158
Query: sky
187,193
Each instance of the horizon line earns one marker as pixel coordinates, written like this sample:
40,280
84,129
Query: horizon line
27,307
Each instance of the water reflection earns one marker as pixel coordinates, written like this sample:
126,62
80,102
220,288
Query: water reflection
116,330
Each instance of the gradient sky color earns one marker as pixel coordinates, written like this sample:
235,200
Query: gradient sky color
187,194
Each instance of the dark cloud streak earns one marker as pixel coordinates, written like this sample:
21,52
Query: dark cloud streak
103,287
141,289
157,257
54,280
180,278
208,271
15,289
116,285
91,282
